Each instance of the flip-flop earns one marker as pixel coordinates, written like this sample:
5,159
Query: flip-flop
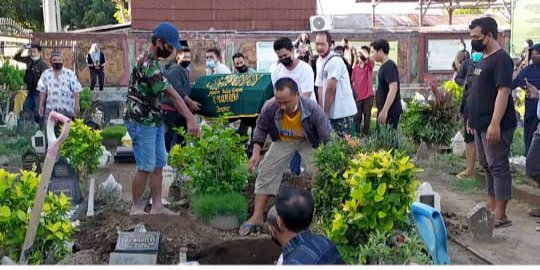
535,213
502,223
246,229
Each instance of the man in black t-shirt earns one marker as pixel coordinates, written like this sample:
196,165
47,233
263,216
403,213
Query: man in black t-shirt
388,96
492,114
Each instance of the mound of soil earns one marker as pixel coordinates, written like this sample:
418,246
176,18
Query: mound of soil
244,251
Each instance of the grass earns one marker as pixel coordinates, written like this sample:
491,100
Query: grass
206,206
114,132
518,143
468,185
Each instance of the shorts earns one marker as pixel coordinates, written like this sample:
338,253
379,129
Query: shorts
469,137
148,146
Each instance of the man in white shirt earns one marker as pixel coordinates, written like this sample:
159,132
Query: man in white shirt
59,89
213,62
291,67
334,87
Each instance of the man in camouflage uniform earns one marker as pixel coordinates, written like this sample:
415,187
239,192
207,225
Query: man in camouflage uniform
143,116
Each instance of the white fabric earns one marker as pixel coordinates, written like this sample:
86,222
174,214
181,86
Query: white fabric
302,74
60,91
344,104
219,69
94,53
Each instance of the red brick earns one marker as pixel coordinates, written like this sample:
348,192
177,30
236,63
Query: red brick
274,14
287,4
283,25
236,4
151,4
234,14
192,4
240,25
171,14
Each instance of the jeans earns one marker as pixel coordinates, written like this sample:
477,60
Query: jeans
148,146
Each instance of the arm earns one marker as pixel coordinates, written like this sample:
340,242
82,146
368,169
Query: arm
89,60
308,83
330,94
102,62
77,108
18,55
461,75
261,131
383,115
503,81
181,107
519,81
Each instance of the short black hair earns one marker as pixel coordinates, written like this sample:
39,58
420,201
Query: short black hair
185,49
283,43
339,48
38,47
237,55
530,42
328,36
366,48
215,50
295,207
381,44
487,24
283,83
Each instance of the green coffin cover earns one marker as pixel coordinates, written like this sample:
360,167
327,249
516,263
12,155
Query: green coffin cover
234,95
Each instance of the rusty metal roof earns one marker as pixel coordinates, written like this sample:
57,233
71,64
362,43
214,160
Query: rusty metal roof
389,21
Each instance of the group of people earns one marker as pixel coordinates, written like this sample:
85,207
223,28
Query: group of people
490,118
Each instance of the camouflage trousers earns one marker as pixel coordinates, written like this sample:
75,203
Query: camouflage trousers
344,126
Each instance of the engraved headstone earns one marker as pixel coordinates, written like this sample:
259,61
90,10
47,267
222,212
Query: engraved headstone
481,222
427,196
132,258
138,241
64,180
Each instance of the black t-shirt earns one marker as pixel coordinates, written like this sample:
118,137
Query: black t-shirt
388,73
489,75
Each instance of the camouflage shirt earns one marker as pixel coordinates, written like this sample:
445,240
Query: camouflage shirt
146,87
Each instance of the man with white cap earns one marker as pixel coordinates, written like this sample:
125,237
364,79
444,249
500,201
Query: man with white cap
143,116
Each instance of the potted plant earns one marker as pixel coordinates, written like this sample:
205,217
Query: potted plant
221,211
112,135
216,164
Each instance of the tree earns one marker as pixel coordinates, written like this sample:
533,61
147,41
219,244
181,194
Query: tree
29,13
78,14
122,14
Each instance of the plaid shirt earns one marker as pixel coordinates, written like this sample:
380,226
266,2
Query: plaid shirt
310,249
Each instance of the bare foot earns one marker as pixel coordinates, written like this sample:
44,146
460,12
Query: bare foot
137,212
162,211
465,174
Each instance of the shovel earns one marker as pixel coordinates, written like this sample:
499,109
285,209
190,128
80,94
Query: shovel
52,151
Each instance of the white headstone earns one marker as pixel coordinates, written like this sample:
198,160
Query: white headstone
105,159
97,117
11,121
38,142
169,174
458,144
110,186
126,140
427,196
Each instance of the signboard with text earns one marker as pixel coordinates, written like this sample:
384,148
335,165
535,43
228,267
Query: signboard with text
239,95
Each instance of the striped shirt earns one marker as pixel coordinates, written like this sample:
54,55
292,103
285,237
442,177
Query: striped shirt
307,248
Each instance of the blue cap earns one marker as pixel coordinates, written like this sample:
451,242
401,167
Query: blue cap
169,33
536,47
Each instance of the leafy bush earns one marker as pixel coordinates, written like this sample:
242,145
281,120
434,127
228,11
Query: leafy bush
329,190
113,132
85,102
206,206
454,88
434,122
381,186
11,78
394,249
518,143
82,148
17,192
215,161
387,138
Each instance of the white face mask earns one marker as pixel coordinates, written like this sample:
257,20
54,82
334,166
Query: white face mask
35,58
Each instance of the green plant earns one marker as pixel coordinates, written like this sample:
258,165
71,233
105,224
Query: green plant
206,206
468,185
17,192
85,103
518,143
329,190
434,122
215,161
381,186
387,138
11,80
454,88
384,248
113,132
82,148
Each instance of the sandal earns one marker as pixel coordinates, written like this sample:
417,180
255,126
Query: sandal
463,175
534,212
501,223
246,229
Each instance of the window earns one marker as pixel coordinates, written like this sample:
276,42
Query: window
441,53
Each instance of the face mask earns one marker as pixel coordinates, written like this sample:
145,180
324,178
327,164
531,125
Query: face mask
287,61
210,63
476,56
163,53
478,45
185,64
461,47
57,66
35,58
242,69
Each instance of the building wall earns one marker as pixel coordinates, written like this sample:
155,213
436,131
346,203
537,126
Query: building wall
240,15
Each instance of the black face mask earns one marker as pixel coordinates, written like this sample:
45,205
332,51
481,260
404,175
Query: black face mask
185,64
163,53
478,45
57,66
242,69
287,61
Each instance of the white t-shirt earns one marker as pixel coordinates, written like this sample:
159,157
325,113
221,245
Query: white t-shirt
344,104
219,69
302,74
60,91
